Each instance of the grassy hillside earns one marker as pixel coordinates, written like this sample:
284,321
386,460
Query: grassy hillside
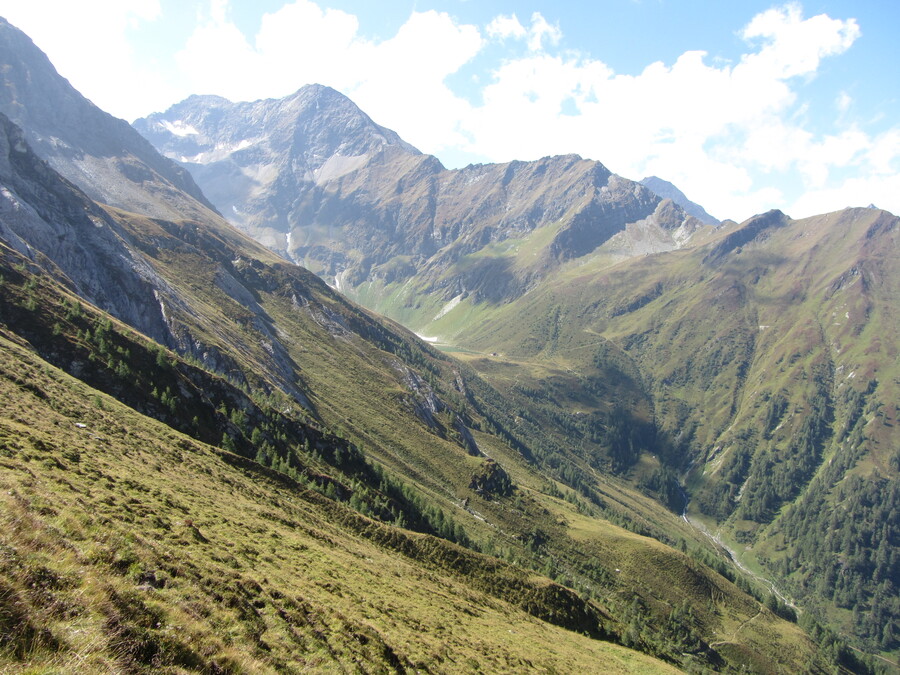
281,481
760,371
291,382
128,502
129,546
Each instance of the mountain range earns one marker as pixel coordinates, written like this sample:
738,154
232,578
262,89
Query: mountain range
314,178
583,294
213,461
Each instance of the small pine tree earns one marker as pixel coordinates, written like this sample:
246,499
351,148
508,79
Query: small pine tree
262,457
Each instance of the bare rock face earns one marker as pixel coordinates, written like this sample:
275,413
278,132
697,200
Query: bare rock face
314,178
100,153
59,156
47,218
251,156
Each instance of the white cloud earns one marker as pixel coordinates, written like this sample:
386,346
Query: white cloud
881,191
870,175
794,46
296,45
883,154
90,45
832,152
843,102
720,131
405,80
218,59
716,130
541,30
505,27
735,136
400,82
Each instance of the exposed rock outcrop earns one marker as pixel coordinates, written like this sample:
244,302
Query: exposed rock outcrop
492,481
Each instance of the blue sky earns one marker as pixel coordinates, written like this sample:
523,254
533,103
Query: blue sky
744,105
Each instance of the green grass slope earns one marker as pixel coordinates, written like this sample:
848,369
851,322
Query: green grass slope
293,382
127,546
766,361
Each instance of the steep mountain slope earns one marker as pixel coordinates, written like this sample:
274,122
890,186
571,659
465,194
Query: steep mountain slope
769,357
173,556
192,556
83,143
313,177
668,191
42,214
298,388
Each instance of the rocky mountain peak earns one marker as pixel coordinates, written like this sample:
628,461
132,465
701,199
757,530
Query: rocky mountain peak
667,190
312,125
249,157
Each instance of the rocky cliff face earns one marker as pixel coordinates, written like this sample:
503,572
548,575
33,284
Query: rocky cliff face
100,153
313,177
122,262
51,221
250,156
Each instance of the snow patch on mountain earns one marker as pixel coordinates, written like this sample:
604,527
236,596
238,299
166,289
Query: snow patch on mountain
179,128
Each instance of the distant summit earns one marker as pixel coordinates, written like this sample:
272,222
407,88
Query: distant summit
250,157
668,191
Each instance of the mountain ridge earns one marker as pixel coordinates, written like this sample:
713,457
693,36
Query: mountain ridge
367,203
85,144
249,129
667,190
765,354
489,245
54,324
